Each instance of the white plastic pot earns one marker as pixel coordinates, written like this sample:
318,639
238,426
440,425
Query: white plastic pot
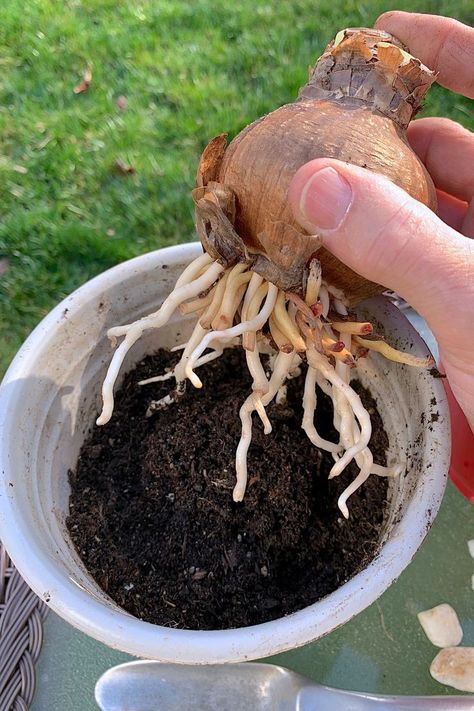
50,397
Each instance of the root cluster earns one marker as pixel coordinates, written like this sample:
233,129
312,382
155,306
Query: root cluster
236,306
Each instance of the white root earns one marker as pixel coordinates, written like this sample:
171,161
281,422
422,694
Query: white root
248,338
157,378
219,296
252,355
364,459
196,305
179,347
211,311
280,340
349,430
203,360
192,271
392,471
254,285
345,414
178,371
313,284
259,385
286,324
349,434
196,337
325,386
324,299
336,293
170,304
344,419
347,425
161,404
355,328
295,369
245,415
282,365
358,481
340,307
394,354
281,396
228,306
253,325
132,332
309,406
320,363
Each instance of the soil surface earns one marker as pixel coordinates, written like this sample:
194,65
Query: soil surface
152,516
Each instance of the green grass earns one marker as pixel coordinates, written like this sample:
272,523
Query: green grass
189,69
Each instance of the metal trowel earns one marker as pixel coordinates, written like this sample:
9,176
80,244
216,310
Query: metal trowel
153,686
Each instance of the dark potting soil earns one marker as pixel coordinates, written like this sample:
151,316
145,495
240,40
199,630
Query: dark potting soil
152,516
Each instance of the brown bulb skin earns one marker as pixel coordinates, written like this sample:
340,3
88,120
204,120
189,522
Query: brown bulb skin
359,99
261,161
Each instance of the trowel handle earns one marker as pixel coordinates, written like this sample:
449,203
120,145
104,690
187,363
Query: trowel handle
318,698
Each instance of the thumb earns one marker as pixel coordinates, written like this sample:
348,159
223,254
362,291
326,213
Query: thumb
383,234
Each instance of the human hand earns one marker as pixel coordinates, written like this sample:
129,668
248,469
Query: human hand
382,233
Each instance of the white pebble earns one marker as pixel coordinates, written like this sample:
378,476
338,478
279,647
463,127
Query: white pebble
472,581
454,667
470,545
441,625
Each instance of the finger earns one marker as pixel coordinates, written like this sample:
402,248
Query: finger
451,210
447,150
375,228
382,233
467,227
445,45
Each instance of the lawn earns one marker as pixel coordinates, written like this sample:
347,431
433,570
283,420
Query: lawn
185,70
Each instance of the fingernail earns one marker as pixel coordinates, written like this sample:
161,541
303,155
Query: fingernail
325,199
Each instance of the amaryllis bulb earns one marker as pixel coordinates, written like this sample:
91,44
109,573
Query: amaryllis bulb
356,106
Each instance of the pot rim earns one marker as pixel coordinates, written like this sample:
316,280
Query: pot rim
118,628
